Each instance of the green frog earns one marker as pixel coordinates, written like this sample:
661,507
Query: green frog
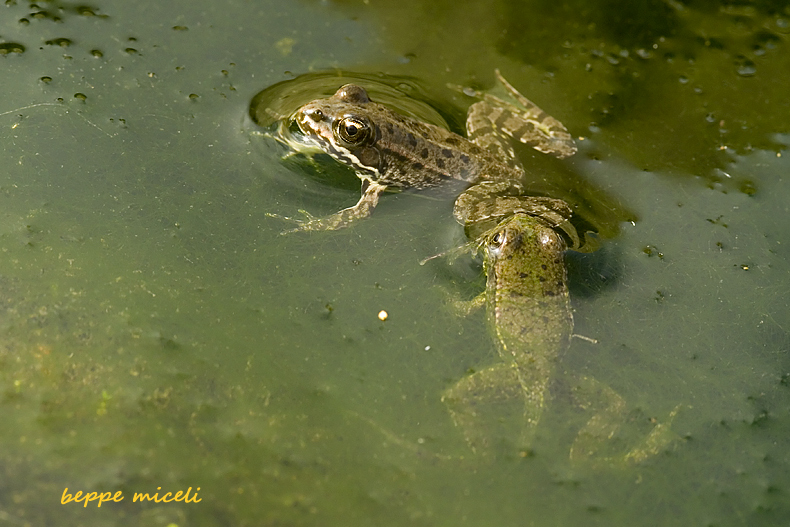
387,149
529,316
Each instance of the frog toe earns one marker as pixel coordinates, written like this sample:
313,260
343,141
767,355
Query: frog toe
658,439
306,224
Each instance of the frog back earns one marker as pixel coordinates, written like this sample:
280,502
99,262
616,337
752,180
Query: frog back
528,304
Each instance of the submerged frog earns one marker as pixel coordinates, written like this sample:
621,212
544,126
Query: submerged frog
529,315
387,149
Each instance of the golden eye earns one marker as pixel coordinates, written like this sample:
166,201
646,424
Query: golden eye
352,131
495,243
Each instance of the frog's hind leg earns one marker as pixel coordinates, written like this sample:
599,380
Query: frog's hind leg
596,442
538,129
492,405
482,130
492,122
607,407
658,438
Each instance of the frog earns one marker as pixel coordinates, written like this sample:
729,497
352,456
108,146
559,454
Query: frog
388,150
529,316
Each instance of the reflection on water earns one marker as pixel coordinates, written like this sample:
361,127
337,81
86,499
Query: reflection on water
282,99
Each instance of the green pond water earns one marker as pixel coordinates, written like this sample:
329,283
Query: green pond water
156,330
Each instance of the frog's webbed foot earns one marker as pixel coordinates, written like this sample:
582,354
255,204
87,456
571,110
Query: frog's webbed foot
608,408
658,438
370,198
488,406
595,441
309,222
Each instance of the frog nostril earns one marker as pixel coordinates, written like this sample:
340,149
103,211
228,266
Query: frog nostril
315,115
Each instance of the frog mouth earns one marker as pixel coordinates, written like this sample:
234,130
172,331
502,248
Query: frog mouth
292,135
306,129
299,122
294,127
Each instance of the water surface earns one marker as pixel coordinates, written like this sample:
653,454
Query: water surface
157,331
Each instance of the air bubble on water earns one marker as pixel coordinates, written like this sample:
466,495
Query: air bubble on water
11,47
746,68
62,42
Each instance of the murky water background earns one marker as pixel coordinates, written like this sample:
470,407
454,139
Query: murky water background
157,331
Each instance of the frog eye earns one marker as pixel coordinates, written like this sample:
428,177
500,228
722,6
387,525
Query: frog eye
495,244
352,131
353,93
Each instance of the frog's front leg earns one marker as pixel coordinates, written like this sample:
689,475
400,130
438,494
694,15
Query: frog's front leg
464,308
495,404
594,442
367,202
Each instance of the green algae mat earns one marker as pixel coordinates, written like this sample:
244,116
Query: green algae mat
168,358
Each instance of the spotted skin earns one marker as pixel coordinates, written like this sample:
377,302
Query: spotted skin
495,120
387,149
529,316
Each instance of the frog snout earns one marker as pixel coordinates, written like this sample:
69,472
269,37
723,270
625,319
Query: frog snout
312,114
